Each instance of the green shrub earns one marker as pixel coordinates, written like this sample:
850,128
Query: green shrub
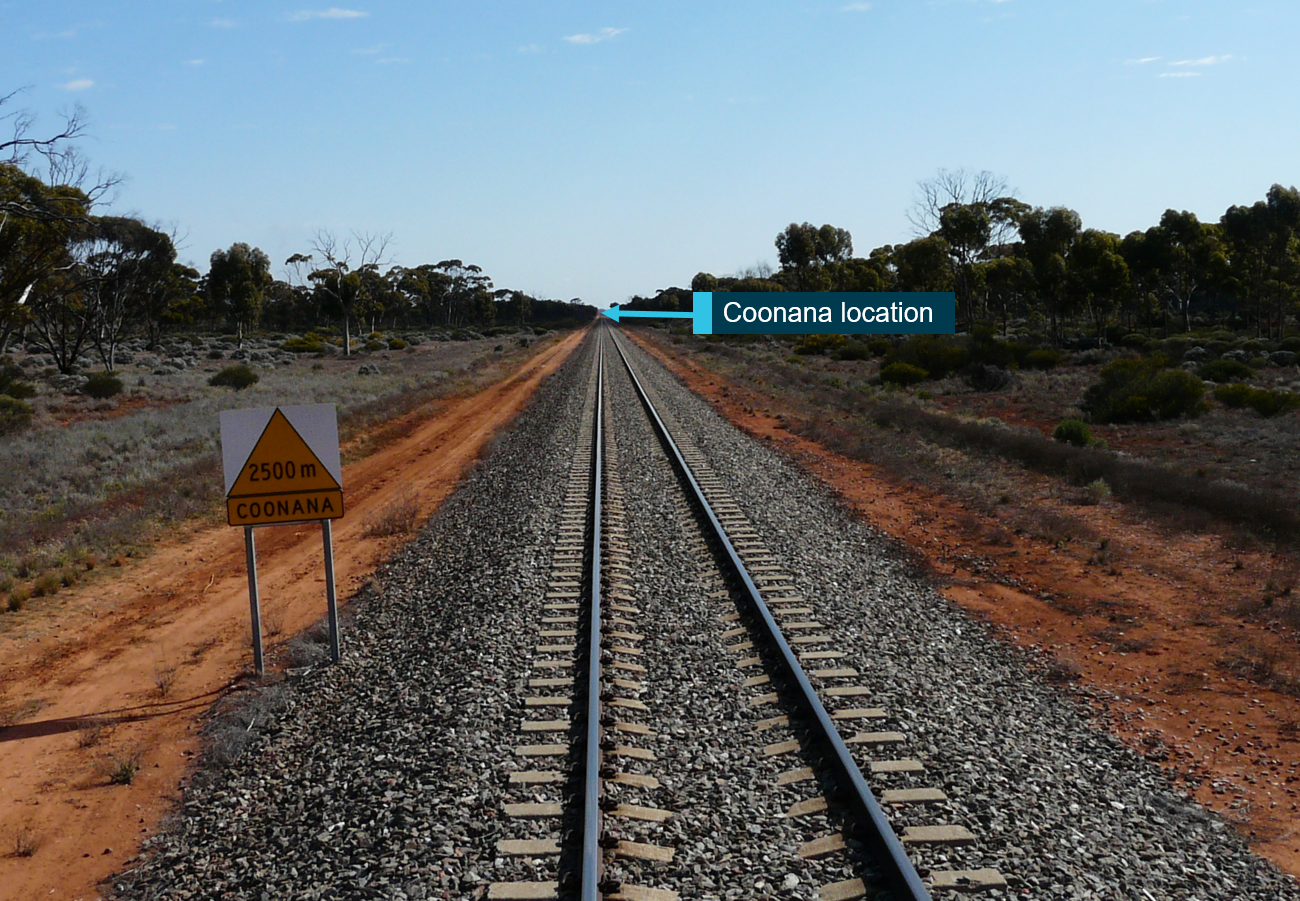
1140,390
817,345
937,355
374,345
902,374
1291,343
1263,401
306,345
1233,395
238,377
47,585
1042,358
17,597
1095,492
11,383
879,345
396,344
1225,371
853,350
1135,339
1073,431
15,415
1259,363
1270,403
102,385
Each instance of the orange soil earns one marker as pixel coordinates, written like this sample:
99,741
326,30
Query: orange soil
104,652
1171,602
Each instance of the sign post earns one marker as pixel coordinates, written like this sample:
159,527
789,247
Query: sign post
282,466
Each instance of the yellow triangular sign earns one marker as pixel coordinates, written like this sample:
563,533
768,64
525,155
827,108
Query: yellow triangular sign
281,463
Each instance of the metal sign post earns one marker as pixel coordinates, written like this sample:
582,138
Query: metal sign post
250,551
282,467
327,538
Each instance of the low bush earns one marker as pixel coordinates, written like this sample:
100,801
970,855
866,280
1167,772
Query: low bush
1073,431
853,350
1095,492
15,415
1270,403
238,377
102,385
1042,358
937,355
1135,340
309,344
1233,396
396,344
1225,371
12,384
902,374
1291,343
17,597
1141,390
879,345
818,345
373,345
1263,401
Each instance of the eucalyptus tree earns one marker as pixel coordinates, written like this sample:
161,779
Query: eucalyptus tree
236,282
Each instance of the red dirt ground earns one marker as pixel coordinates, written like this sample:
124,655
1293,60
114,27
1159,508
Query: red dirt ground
104,651
1147,632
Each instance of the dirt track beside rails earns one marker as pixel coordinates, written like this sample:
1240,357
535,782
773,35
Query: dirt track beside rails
145,652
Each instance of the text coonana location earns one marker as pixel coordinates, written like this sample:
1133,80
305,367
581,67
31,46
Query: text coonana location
283,479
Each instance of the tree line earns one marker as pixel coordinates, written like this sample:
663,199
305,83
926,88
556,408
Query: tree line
1007,261
75,283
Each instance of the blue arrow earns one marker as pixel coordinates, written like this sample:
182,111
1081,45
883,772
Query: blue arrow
614,313
703,315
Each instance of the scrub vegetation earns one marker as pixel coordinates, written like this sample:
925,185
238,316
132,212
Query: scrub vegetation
116,356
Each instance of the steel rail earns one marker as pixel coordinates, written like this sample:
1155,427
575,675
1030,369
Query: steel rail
591,853
877,834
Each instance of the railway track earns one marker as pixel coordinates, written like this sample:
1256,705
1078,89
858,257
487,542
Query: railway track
588,664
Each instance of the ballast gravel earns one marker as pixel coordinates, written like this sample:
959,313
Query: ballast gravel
384,777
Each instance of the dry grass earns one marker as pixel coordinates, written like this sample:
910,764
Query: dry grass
236,721
121,769
164,677
398,518
26,841
90,732
72,494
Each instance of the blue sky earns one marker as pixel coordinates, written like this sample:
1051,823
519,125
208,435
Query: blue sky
597,150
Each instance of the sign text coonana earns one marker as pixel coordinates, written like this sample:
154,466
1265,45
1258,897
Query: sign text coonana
889,313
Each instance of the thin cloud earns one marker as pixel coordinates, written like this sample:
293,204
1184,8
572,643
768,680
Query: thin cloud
1141,62
195,62
389,60
1203,61
223,23
531,48
372,50
333,12
855,8
78,84
603,35
1179,75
